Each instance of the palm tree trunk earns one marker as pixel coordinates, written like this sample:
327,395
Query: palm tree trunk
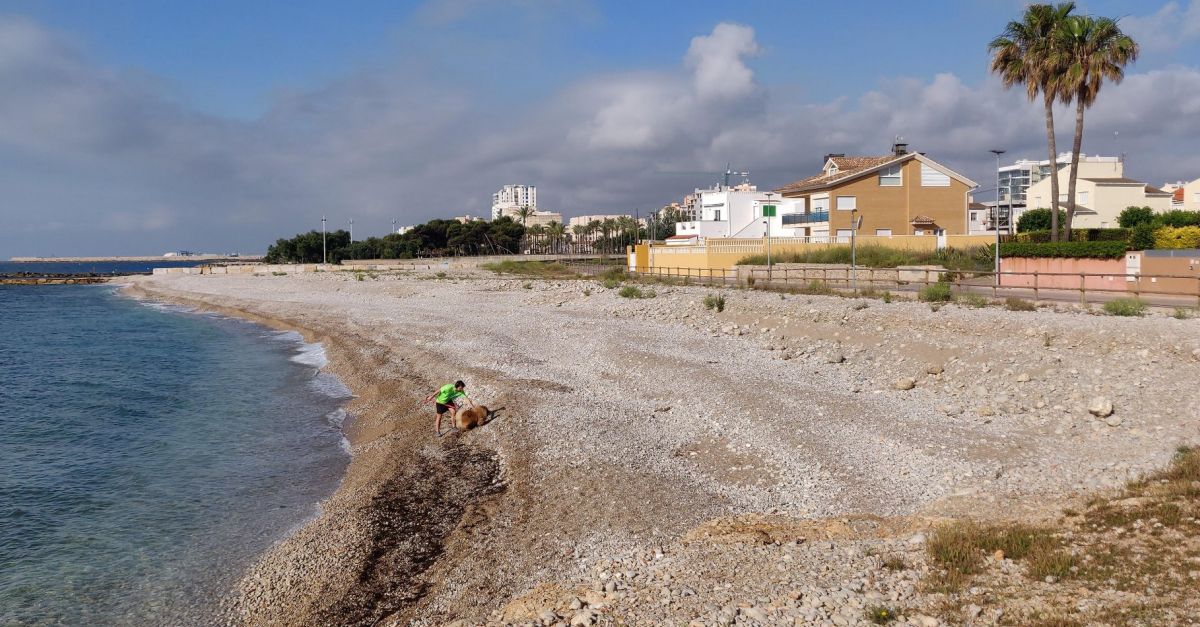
1048,98
1075,148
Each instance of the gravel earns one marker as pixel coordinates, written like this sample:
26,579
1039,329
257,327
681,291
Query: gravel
628,424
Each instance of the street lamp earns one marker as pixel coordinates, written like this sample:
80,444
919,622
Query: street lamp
996,213
351,230
393,226
324,257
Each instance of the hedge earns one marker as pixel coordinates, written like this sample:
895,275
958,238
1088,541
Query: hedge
1182,237
1080,235
1069,250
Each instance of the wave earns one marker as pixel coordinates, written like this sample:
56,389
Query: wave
311,355
330,386
336,419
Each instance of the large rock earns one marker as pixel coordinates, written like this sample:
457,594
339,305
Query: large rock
1100,407
905,383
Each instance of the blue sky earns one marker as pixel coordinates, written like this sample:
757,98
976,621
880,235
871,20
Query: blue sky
222,125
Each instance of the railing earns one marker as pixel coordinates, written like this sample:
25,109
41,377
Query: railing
1078,287
805,218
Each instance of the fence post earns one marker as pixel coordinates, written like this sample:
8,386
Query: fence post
1035,287
1082,289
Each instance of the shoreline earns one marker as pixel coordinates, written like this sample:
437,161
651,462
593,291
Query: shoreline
353,532
469,528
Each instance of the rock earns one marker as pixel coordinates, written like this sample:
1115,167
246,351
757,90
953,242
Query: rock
917,540
1023,377
1100,407
1196,354
973,611
835,357
583,618
998,555
904,383
755,613
1113,421
924,621
935,370
576,604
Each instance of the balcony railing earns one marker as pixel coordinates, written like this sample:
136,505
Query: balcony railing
805,218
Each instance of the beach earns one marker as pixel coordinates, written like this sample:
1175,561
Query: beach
648,441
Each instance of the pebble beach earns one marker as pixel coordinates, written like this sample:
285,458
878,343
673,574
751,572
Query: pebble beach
657,462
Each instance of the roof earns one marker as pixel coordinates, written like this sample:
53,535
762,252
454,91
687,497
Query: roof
922,219
850,168
977,206
1178,194
1115,181
1150,189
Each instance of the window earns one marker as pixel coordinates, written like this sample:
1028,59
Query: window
890,177
1196,197
843,232
1082,198
918,232
883,232
1062,198
846,203
717,215
820,204
931,177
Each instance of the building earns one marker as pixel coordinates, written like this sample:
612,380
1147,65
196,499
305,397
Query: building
1018,177
585,220
401,230
1185,196
1102,192
540,218
726,212
904,193
467,218
511,198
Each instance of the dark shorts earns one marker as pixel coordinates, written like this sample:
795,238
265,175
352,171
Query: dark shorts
441,409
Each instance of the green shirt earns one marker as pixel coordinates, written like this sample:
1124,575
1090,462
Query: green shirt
447,394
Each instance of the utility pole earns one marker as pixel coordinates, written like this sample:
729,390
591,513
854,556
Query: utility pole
393,226
854,248
324,256
351,230
996,212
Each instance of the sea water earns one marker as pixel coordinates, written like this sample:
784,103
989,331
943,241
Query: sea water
149,453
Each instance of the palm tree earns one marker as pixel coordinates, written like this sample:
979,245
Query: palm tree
608,227
1025,54
556,230
579,231
1094,50
594,227
524,212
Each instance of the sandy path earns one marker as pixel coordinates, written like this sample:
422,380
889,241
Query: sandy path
627,423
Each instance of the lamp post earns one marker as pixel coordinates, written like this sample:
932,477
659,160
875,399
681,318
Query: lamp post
393,226
768,222
854,248
324,257
351,230
996,213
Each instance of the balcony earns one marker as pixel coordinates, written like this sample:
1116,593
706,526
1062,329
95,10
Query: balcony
792,219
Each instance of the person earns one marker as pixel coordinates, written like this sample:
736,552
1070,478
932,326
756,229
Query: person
444,401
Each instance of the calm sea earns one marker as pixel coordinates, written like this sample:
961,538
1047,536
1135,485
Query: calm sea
94,267
148,454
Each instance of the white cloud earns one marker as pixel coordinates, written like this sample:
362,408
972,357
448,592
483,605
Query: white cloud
1165,29
89,148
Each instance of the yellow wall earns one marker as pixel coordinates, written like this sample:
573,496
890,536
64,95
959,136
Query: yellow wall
725,253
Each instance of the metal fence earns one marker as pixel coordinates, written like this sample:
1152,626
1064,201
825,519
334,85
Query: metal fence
1161,290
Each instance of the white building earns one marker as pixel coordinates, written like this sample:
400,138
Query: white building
1185,196
585,220
737,212
1018,177
511,198
1101,194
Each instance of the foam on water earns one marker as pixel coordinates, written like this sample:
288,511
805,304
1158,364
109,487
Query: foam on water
311,355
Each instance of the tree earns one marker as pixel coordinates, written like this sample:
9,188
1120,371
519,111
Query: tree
524,212
1133,216
1092,50
1025,54
555,230
1177,218
1038,220
661,224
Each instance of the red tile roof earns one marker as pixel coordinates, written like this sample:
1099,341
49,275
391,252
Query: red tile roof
847,167
922,220
1178,194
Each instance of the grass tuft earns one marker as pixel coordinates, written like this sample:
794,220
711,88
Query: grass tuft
936,293
533,269
880,615
716,301
1125,307
633,291
1012,303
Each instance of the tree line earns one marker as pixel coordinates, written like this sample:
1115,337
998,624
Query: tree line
436,238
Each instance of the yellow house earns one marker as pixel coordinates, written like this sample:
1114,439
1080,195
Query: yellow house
904,193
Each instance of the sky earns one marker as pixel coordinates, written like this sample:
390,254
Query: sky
141,126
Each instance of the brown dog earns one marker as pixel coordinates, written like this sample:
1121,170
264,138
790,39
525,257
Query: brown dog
469,418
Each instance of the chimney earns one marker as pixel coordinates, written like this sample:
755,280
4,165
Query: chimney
899,148
832,155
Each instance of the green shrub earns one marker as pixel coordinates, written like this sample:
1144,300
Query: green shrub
876,256
880,615
1169,237
1133,216
1080,235
278,274
633,291
1039,220
887,296
1125,307
1177,218
716,301
358,276
1070,250
587,291
610,283
750,280
441,275
1012,303
1143,237
936,293
975,301
1182,313
817,288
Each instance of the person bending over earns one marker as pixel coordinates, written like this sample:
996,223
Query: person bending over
445,401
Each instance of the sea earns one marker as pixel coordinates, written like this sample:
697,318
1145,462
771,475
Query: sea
95,267
149,453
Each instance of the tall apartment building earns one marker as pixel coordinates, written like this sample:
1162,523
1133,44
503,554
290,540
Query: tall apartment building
510,198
